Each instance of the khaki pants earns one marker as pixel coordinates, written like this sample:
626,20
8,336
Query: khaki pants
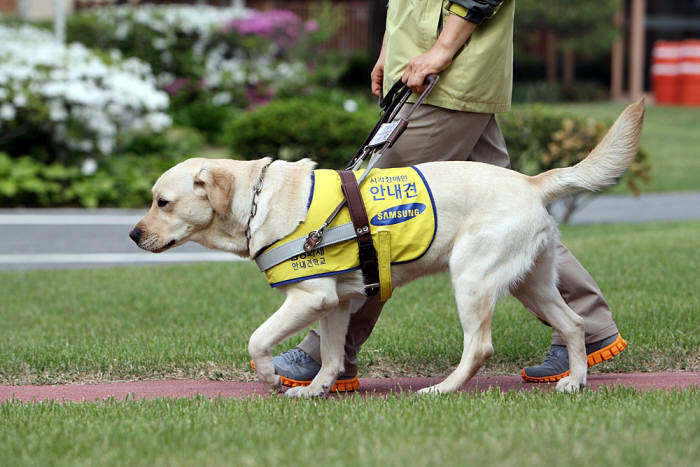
437,134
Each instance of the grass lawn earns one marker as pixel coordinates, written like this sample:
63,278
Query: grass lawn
606,429
670,136
195,320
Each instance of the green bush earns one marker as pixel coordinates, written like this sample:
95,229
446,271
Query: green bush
297,128
123,181
539,139
26,182
120,180
174,143
318,126
199,109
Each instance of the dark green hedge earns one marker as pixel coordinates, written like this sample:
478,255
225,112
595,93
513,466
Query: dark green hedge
122,180
538,139
297,128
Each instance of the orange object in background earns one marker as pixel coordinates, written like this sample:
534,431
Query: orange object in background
665,72
689,72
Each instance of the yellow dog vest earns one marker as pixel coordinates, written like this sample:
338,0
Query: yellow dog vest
398,201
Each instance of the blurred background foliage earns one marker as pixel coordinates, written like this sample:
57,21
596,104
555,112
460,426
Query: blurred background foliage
247,83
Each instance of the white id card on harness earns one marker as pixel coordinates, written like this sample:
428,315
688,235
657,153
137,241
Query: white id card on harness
383,134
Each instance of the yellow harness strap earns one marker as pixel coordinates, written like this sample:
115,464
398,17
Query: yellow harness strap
384,259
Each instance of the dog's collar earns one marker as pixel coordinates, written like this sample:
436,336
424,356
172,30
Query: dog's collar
257,188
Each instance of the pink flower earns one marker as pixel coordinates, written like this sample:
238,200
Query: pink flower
176,85
280,25
311,25
257,98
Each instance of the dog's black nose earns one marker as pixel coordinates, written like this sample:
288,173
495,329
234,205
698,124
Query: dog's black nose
135,235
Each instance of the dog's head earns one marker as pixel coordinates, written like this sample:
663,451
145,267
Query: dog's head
186,198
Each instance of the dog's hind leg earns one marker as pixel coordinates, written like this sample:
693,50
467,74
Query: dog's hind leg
539,294
476,324
334,327
476,294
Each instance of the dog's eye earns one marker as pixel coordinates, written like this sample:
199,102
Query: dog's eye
162,202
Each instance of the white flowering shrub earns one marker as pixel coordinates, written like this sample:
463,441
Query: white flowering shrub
63,103
235,55
172,39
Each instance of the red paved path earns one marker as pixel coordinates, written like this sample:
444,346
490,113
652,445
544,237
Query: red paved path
189,388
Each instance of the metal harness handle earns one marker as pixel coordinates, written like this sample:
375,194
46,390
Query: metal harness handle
391,105
395,99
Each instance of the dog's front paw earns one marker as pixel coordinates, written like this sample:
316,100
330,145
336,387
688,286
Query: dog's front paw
304,391
433,390
266,374
569,385
272,383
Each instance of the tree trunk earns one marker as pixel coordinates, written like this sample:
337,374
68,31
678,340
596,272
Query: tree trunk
376,28
636,47
617,58
551,54
569,66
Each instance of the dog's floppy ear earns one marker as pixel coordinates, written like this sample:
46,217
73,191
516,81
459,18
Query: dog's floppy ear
216,184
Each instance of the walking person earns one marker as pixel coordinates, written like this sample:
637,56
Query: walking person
470,44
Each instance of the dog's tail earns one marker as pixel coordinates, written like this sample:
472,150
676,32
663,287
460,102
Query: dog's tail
607,162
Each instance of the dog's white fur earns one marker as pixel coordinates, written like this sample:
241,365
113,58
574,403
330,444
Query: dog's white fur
494,234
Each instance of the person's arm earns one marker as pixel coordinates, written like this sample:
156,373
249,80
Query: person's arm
454,34
475,11
467,15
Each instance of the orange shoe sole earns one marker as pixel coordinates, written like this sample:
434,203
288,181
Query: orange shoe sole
599,356
341,385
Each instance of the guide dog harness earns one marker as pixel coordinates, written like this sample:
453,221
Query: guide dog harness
402,223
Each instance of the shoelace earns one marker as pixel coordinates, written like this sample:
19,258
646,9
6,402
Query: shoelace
557,354
295,355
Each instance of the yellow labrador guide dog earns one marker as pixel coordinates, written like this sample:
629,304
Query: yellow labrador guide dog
493,234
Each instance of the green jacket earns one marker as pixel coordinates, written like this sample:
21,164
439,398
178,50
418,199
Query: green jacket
480,78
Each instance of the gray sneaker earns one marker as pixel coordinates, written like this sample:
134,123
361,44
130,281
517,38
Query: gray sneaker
296,368
296,364
556,364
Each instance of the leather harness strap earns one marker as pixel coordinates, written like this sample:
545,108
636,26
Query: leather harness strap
358,215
